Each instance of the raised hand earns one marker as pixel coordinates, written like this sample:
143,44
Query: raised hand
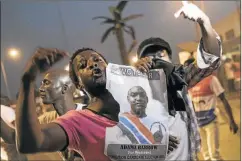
191,12
42,60
144,64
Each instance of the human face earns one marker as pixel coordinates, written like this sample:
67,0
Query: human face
50,89
163,54
138,99
90,69
158,52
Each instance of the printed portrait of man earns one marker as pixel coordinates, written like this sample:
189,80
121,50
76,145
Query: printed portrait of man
135,127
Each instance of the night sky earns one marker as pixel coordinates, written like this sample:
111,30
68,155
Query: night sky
69,26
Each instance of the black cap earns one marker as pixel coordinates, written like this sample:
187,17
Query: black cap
153,42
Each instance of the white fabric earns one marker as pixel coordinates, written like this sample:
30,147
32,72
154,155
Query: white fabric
216,86
79,106
177,128
120,79
210,99
209,58
8,115
4,155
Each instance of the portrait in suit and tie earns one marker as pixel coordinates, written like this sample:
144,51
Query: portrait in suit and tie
135,127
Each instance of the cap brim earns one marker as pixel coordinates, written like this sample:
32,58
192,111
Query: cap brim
142,52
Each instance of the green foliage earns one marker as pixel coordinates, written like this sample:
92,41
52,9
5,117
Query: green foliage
117,21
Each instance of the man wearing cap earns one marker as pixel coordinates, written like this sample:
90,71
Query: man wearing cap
155,53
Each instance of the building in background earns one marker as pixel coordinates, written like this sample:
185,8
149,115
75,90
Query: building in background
228,29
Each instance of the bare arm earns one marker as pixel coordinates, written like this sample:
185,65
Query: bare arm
227,107
8,133
31,137
209,49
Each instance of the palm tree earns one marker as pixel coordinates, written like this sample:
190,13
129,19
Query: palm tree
118,27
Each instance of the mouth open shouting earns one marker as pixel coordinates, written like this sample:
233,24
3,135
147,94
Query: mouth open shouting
99,76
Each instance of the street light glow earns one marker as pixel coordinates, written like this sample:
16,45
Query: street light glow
13,53
67,68
135,59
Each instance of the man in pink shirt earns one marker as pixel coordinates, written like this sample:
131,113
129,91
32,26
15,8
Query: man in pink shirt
82,131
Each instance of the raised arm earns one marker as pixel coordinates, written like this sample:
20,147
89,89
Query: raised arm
209,49
31,137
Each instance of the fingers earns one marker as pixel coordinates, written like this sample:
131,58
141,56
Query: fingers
178,13
181,10
52,57
144,64
173,144
170,149
44,58
61,52
47,59
189,11
233,128
141,68
186,17
173,139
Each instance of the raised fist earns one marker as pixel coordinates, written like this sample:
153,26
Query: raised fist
192,12
42,60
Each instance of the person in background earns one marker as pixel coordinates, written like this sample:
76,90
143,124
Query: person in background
204,96
56,90
229,73
39,105
8,151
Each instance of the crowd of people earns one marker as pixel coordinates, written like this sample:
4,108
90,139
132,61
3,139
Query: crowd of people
77,129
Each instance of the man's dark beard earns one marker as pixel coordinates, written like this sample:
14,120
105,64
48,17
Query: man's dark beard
98,86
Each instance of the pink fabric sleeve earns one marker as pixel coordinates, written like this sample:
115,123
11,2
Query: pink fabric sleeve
72,123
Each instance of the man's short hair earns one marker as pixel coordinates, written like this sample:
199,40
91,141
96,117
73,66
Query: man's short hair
71,69
153,42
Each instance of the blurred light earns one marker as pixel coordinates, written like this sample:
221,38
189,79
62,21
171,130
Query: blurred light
75,95
135,59
67,68
13,53
224,57
81,93
3,153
